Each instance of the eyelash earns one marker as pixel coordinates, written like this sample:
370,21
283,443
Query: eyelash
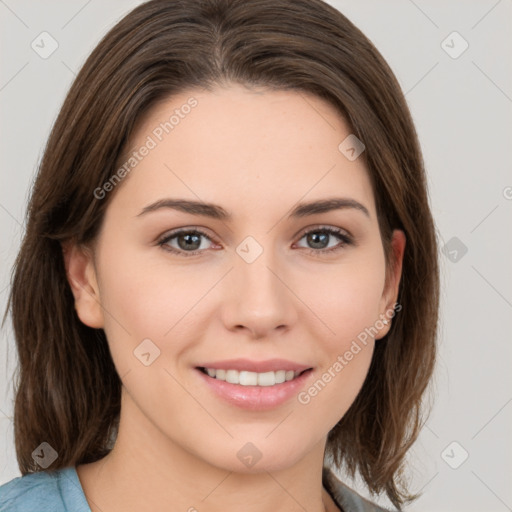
345,240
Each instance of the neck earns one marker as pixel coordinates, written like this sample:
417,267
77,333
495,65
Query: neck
146,470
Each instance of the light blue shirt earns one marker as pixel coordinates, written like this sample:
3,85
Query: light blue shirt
44,491
61,491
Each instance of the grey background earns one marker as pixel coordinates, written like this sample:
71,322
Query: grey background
462,109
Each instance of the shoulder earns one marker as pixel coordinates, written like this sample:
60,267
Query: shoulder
44,491
346,498
34,491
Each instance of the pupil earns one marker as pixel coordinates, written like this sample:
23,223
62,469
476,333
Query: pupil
315,237
189,242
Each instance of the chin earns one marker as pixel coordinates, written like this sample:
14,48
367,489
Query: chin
253,458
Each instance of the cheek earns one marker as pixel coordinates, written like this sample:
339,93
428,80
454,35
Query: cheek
148,296
350,308
151,299
349,300
329,396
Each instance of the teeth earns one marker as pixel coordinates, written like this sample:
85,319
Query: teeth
246,378
232,376
266,379
281,376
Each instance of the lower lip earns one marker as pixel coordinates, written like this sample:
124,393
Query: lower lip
256,398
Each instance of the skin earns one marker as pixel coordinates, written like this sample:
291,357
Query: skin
257,154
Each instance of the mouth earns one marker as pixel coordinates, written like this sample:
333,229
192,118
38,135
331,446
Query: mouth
251,390
257,385
249,378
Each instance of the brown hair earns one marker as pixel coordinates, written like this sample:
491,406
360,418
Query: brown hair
67,388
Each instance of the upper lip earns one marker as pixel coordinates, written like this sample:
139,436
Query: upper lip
269,365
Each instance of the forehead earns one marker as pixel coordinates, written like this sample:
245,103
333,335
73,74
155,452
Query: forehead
263,146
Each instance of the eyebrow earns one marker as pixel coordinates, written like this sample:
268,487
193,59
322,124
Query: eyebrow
217,212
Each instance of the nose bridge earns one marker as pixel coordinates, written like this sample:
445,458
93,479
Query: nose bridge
258,297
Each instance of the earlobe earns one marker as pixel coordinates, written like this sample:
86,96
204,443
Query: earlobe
81,276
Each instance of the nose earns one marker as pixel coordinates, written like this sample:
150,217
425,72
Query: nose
259,299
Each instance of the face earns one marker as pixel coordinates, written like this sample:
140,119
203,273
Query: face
256,282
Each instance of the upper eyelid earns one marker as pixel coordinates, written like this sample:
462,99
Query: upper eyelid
179,231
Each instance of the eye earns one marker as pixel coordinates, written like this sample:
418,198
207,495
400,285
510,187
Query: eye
189,241
320,237
186,239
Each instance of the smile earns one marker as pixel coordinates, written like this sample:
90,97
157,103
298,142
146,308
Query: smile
247,378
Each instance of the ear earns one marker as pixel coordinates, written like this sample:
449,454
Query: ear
393,276
81,276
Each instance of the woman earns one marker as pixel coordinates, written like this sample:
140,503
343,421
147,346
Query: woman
228,286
